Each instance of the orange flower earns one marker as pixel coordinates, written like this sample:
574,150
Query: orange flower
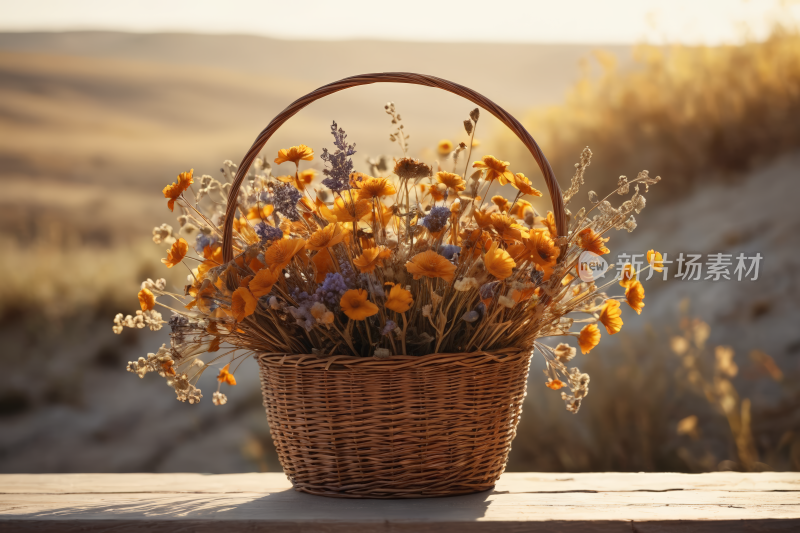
589,338
176,253
371,258
147,299
501,202
523,185
628,275
543,251
355,305
262,282
519,207
173,191
451,181
347,211
330,235
301,180
495,169
550,223
592,242
445,147
507,227
281,252
498,262
225,376
655,260
399,299
634,295
256,213
431,265
435,191
610,316
295,154
482,218
382,213
375,188
243,303
555,384
323,263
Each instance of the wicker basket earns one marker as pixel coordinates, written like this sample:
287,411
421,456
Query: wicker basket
403,427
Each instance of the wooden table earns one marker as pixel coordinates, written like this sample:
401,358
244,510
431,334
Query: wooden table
521,502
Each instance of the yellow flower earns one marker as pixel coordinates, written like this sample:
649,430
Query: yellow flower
495,169
355,305
371,258
610,316
295,154
592,242
498,262
431,265
399,299
628,275
501,202
280,254
445,147
451,181
173,191
555,384
147,299
330,235
225,376
375,188
655,260
589,338
243,303
263,281
347,211
176,253
523,185
634,295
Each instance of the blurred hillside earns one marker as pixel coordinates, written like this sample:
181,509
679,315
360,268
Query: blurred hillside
693,114
93,125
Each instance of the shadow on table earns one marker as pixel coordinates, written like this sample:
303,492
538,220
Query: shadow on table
285,507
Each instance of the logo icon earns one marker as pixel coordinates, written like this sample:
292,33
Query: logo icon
591,266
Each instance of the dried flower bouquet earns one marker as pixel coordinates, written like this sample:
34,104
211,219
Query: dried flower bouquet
401,259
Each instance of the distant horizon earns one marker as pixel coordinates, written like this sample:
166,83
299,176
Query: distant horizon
612,22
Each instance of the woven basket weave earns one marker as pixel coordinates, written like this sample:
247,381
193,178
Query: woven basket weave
403,427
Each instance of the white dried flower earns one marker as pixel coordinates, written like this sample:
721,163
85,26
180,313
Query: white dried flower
274,304
163,234
505,301
426,310
466,284
382,353
219,399
564,352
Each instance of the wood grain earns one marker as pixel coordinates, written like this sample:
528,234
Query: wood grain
519,502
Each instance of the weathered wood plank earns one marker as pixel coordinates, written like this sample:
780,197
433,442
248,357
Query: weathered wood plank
510,482
520,502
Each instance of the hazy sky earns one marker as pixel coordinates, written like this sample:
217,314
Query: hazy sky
594,21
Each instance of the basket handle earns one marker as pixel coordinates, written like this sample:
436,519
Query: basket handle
391,77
